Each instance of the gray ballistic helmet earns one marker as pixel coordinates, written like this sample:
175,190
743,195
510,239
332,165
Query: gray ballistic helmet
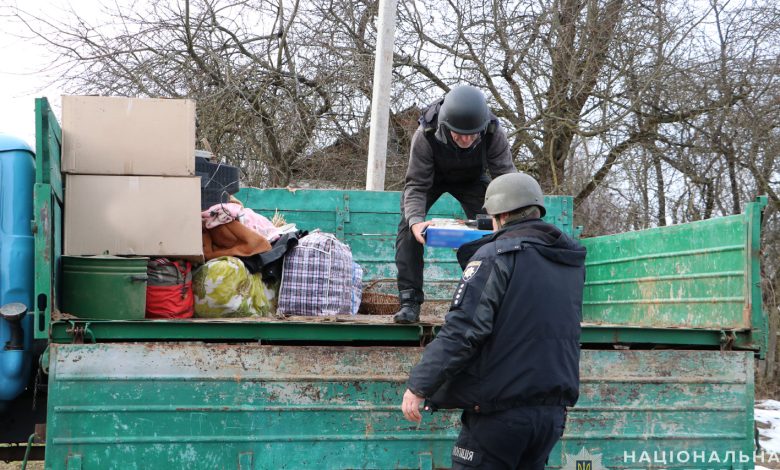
464,111
513,191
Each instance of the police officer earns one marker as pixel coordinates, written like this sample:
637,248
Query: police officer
508,352
458,140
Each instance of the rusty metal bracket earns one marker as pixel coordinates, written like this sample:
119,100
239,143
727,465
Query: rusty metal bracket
78,332
727,339
40,433
342,217
426,334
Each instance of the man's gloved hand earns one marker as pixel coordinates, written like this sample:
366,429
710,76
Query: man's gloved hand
417,230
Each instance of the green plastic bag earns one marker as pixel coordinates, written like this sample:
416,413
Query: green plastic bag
224,288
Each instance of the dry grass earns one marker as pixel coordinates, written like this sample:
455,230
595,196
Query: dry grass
767,389
766,464
278,219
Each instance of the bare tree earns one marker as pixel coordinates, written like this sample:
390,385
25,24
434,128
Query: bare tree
557,72
663,104
260,100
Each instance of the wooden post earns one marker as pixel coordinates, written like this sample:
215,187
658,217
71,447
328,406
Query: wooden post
380,99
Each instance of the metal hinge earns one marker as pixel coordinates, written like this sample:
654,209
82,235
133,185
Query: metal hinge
426,334
342,217
79,332
727,339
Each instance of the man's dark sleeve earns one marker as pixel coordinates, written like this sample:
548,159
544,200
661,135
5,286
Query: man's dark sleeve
419,178
499,155
467,326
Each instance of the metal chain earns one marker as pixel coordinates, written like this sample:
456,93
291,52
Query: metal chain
35,387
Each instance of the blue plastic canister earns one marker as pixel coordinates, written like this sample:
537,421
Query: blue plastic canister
447,237
17,178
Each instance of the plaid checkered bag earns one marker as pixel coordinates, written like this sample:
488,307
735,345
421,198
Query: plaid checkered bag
317,278
357,287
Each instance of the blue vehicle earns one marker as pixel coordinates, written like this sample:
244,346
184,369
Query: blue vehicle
18,350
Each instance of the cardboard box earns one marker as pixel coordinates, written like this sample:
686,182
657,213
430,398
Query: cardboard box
133,215
128,136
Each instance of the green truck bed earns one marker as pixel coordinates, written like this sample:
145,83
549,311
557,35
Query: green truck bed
672,321
691,284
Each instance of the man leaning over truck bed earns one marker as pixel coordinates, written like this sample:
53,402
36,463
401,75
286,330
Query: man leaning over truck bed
457,143
508,352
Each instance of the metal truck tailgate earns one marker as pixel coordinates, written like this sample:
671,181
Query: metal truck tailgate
199,405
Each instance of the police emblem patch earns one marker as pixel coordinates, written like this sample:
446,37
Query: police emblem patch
582,461
584,465
471,270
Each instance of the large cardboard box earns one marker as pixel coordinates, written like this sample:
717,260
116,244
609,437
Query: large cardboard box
133,215
104,135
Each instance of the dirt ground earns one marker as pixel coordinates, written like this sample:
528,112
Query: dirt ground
18,465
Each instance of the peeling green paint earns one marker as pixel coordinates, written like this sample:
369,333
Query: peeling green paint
198,405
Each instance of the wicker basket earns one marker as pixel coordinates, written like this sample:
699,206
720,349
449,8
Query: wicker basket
377,303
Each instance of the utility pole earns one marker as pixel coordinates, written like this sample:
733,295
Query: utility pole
380,98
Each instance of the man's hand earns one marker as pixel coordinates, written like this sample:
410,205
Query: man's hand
417,230
411,406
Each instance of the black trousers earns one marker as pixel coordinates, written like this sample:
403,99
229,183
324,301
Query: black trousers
409,252
520,438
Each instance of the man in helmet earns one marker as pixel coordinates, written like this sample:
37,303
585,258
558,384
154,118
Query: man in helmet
457,143
508,352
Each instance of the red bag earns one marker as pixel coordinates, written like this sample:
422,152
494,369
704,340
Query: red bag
169,289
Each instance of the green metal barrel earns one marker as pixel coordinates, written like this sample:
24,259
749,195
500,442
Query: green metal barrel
104,287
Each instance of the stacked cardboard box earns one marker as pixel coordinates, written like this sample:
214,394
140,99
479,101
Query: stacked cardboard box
129,185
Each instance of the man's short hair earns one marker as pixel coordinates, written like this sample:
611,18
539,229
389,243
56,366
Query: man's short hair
524,213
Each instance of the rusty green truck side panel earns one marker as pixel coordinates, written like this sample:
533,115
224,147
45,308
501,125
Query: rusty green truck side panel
697,275
691,284
759,318
47,226
368,222
197,405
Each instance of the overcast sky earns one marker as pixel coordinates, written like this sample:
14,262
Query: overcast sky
23,74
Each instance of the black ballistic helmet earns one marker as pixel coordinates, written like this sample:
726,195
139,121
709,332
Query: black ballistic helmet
464,111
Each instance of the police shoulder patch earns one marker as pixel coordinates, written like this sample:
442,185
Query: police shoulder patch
471,270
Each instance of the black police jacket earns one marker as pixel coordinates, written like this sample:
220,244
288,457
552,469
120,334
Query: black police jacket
511,337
